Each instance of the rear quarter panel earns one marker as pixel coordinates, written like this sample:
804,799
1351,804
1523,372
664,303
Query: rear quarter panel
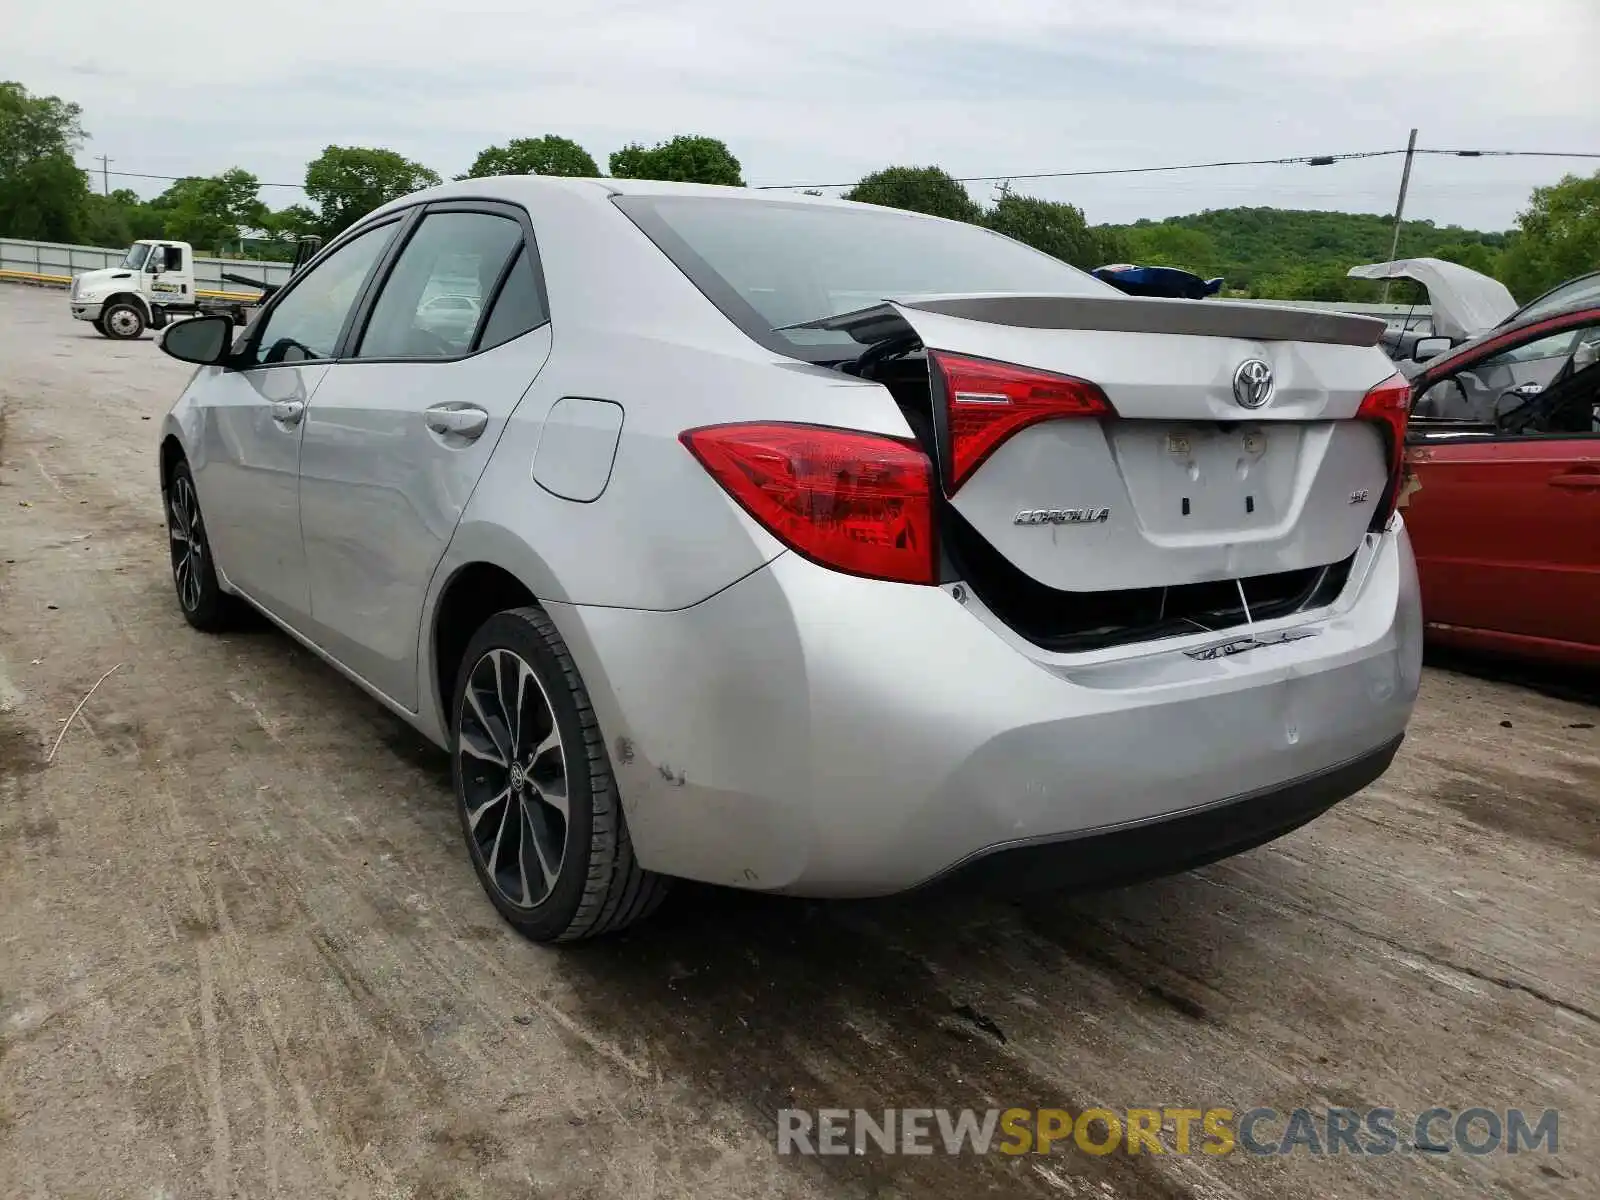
630,329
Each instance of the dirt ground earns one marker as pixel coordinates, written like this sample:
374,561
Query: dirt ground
242,952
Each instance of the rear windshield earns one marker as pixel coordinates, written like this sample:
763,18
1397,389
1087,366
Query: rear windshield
769,264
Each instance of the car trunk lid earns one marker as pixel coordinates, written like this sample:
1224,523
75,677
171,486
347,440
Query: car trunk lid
1174,481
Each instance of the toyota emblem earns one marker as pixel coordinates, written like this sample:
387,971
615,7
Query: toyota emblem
1252,383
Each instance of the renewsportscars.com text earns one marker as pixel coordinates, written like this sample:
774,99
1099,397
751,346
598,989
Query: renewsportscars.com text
1181,1131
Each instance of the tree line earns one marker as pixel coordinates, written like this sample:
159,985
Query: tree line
1263,252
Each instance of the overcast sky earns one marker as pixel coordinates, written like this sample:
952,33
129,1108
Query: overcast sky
825,90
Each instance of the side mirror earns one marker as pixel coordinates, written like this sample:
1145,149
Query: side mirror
1429,348
305,252
152,266
202,340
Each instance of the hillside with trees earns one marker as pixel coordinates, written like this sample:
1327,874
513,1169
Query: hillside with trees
1300,254
1265,252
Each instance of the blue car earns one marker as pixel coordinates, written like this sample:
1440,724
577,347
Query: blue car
1169,282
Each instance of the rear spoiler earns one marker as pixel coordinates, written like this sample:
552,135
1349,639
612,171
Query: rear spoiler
892,319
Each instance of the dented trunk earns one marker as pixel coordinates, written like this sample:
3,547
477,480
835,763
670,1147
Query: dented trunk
1167,474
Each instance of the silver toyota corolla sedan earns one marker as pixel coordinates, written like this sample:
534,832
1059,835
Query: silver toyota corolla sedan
805,546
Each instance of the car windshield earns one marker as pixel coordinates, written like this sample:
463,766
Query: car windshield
136,256
770,264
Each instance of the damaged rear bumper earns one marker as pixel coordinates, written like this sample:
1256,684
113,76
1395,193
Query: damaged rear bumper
814,733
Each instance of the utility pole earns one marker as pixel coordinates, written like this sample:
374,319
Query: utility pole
1400,207
105,176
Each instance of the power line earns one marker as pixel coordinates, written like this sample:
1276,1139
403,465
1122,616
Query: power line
1507,153
176,178
1311,160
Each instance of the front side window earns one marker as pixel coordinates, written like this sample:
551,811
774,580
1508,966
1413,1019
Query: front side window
1555,345
305,324
433,301
771,264
1570,403
1547,386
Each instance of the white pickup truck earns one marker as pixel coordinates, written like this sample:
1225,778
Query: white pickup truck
155,284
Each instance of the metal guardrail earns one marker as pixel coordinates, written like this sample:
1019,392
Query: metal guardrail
55,263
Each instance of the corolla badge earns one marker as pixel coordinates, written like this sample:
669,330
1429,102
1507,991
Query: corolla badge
1252,383
1062,516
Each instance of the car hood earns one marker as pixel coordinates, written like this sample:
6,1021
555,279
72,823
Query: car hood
1464,302
87,280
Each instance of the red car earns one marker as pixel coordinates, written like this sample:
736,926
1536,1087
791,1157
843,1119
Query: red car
1504,447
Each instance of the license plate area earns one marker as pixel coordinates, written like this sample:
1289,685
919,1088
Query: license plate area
1207,479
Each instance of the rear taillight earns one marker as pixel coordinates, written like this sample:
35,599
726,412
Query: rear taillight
1388,405
855,502
986,402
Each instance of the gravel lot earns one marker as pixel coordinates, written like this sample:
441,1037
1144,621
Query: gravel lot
242,952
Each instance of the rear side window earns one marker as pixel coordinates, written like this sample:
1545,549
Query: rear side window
768,264
518,308
433,302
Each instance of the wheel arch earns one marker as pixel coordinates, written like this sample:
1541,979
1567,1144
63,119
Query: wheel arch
172,453
133,298
482,555
472,593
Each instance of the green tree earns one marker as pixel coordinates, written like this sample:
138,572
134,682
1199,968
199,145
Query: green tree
1475,256
348,182
1321,281
1247,244
291,224
1057,229
211,212
687,158
547,155
42,191
1174,246
917,189
119,219
1558,237
1327,281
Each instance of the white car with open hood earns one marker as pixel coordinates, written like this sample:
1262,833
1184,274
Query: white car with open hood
806,546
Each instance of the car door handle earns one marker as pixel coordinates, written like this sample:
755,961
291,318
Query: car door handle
1576,479
462,420
288,412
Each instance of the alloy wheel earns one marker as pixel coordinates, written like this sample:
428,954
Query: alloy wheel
513,773
188,541
124,322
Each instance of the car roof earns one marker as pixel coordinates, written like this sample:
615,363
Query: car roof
520,187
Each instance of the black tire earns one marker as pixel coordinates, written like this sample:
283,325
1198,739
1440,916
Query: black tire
123,321
597,886
100,327
203,602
